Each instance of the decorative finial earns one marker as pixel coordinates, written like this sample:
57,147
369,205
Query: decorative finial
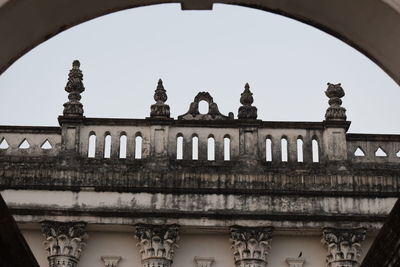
335,112
247,111
74,87
160,109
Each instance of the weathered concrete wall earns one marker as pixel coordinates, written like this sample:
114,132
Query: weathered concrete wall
194,210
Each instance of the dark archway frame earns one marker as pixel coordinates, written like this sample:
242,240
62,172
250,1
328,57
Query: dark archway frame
370,26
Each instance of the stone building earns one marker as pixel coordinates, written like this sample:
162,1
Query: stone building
202,190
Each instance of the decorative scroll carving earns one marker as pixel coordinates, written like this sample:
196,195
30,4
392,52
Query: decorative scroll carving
74,87
111,261
251,245
295,262
247,111
160,109
157,244
343,246
64,242
213,112
335,112
203,262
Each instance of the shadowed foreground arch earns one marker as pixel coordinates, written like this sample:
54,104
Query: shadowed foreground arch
370,26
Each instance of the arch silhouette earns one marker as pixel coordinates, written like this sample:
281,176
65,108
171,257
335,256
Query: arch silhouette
370,26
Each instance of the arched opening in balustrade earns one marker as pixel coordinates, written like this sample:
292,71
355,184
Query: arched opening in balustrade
195,147
380,152
3,144
315,150
107,145
211,148
138,146
179,146
123,142
46,145
268,149
359,152
227,147
284,149
203,107
92,145
24,144
300,144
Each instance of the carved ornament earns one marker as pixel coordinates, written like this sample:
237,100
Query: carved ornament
74,87
157,244
344,246
64,242
213,111
251,245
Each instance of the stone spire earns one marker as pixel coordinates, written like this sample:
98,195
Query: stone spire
64,242
344,246
247,111
160,109
251,245
335,112
74,108
157,244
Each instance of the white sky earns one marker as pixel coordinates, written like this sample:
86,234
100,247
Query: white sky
122,55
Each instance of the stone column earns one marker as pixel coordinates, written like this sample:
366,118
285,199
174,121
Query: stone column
251,245
343,246
157,244
64,242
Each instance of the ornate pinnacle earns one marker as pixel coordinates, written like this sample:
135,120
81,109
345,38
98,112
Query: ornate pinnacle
335,112
160,109
247,111
160,94
74,87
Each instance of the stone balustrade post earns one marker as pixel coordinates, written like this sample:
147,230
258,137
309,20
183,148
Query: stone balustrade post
334,146
72,116
64,242
157,244
251,245
344,246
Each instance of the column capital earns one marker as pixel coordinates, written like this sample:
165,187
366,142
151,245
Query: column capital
64,242
251,245
295,262
157,244
344,246
203,262
110,261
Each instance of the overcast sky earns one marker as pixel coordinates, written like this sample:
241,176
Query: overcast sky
286,63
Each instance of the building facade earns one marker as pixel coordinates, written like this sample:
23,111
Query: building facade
203,190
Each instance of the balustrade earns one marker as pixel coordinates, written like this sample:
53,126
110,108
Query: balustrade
210,137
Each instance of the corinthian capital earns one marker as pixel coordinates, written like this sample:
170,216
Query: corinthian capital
251,245
64,242
157,244
343,246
